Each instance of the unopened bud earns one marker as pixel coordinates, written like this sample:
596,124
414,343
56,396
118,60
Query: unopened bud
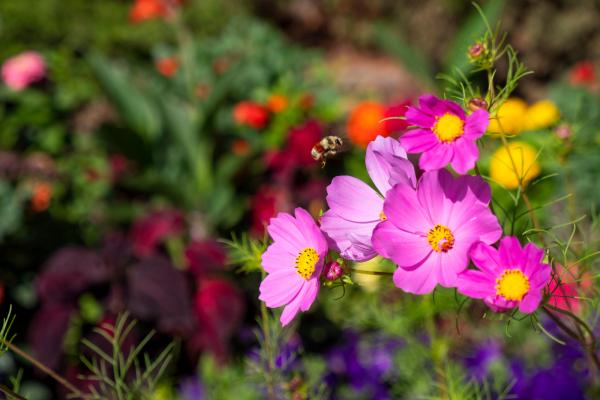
477,50
333,271
477,103
563,131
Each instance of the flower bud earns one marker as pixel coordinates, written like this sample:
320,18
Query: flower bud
476,51
477,103
333,271
563,131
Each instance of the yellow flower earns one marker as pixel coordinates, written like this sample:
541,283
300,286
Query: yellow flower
510,117
541,114
516,164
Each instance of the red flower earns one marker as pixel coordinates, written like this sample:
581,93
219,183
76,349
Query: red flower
41,196
296,153
144,10
167,66
119,166
264,207
563,296
149,231
393,124
583,73
219,308
251,114
365,123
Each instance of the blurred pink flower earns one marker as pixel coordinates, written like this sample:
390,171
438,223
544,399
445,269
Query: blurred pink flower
204,257
23,69
148,231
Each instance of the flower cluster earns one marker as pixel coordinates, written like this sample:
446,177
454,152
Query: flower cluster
431,227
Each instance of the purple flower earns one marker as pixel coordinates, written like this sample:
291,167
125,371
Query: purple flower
508,277
355,208
430,230
293,262
444,134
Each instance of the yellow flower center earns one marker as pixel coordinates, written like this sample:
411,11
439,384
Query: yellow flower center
448,128
512,285
306,262
382,216
440,238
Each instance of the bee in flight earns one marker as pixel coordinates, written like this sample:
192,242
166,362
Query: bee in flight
328,147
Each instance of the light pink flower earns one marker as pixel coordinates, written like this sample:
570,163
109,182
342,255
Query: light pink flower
293,262
430,230
23,69
444,134
355,208
512,276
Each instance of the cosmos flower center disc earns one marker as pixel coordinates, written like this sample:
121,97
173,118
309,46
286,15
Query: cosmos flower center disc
512,285
306,262
440,238
448,128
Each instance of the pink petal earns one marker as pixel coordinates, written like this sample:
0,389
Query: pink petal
384,157
405,249
290,311
353,199
465,155
530,302
352,239
476,124
452,263
532,258
417,117
510,251
482,226
311,233
418,140
311,294
280,287
402,208
436,157
432,105
486,258
475,284
431,196
283,229
277,256
421,280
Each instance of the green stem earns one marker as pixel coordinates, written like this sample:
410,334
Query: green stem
365,272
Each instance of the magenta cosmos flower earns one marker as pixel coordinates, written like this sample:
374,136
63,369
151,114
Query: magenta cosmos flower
293,262
429,231
23,69
506,278
355,208
444,134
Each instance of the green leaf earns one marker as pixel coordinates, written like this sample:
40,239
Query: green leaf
134,107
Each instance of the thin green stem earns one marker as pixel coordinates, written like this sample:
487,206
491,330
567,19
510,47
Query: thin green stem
365,272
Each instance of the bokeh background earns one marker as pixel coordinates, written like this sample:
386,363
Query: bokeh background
154,129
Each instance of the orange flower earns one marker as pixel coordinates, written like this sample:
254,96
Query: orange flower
41,196
145,10
365,123
277,103
251,114
167,66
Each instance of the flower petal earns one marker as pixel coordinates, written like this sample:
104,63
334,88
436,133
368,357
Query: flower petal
510,251
436,157
312,234
418,140
465,155
476,124
405,249
475,284
417,117
452,263
384,157
353,200
277,257
402,208
530,302
290,311
420,280
352,239
311,294
280,287
486,258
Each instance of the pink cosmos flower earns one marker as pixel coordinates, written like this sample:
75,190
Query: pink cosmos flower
512,276
23,69
355,208
444,134
430,230
293,262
